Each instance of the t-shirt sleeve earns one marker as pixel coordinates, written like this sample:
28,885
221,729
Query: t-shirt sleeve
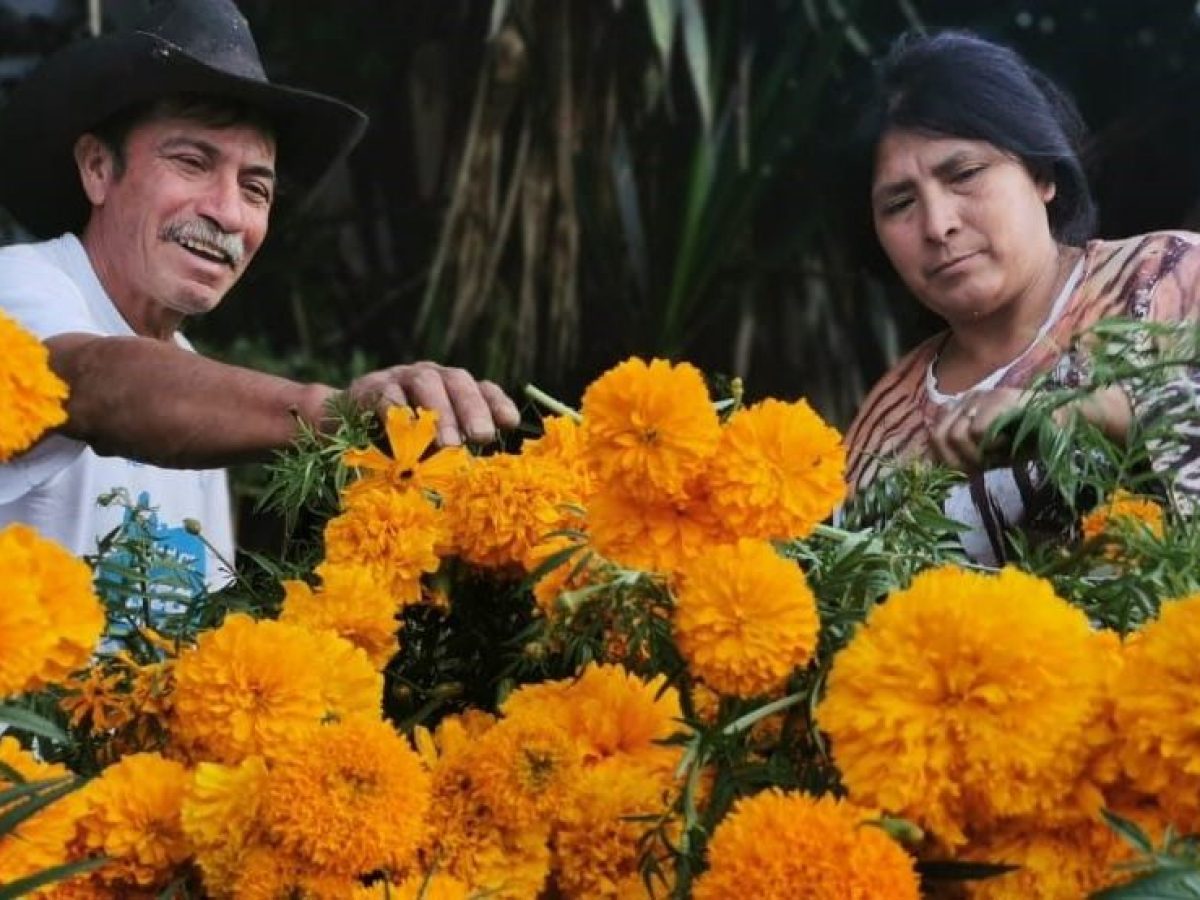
45,300
41,296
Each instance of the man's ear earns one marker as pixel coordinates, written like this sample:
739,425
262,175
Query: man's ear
97,169
1048,189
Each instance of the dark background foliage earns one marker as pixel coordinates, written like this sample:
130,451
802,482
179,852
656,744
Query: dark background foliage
549,186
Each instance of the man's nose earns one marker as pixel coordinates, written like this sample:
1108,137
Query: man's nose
222,203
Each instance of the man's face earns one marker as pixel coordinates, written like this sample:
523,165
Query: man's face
173,232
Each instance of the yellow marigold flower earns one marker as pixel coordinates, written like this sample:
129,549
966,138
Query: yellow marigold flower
220,818
435,886
31,395
133,817
1060,864
249,688
350,799
504,505
350,603
961,700
50,619
409,434
41,841
562,442
779,470
649,429
524,768
745,618
609,712
598,840
1155,711
1122,512
396,534
268,874
789,846
652,535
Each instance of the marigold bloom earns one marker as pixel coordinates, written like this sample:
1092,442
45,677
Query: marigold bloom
410,434
504,505
649,429
609,712
790,846
1155,711
651,535
133,817
220,817
574,570
1122,512
351,798
41,841
350,603
562,443
249,688
745,618
598,841
419,887
396,534
50,619
779,470
268,874
31,395
524,769
962,700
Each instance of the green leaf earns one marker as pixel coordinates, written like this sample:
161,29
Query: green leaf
695,45
954,870
49,876
662,14
1129,831
24,720
16,814
1157,886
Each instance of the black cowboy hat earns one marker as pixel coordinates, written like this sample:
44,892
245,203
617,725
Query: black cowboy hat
199,47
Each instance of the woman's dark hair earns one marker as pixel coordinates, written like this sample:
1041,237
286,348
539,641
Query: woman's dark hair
956,84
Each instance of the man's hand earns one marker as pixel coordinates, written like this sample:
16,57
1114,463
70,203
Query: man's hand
466,408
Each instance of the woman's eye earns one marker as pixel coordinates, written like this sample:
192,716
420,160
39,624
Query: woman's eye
896,205
964,175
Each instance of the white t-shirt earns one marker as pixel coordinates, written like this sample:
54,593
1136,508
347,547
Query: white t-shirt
51,289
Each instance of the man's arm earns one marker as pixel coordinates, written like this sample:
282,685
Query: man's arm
158,403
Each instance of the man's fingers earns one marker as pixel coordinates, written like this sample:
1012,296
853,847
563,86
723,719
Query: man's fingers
504,412
425,388
470,408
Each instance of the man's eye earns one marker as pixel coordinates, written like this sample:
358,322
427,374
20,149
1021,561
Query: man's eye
257,193
964,175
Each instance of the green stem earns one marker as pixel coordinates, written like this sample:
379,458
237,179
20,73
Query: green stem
537,395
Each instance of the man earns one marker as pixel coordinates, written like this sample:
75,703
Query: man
149,161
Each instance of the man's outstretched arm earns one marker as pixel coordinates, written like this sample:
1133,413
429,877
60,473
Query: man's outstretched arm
155,402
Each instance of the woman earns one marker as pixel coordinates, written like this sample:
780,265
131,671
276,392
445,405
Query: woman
979,201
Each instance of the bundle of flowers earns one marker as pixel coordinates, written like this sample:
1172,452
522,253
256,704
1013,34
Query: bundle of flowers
631,659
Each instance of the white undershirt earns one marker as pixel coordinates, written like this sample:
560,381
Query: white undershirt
989,382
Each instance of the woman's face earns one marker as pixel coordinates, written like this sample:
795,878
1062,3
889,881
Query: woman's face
963,222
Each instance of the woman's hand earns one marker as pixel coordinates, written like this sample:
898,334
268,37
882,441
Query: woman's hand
957,435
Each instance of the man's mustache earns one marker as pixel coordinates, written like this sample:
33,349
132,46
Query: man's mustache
206,237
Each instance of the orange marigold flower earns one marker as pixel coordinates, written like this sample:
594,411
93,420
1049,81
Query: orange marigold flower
649,429
610,713
50,619
744,618
599,838
133,817
433,886
41,841
779,470
1123,510
250,688
524,769
351,798
504,505
790,846
562,442
269,874
350,603
410,434
220,817
1155,711
963,699
653,536
576,567
31,395
396,534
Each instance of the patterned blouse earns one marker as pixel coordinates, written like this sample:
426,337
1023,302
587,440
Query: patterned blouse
1153,277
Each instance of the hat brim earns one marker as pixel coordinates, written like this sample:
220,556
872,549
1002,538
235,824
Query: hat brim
87,83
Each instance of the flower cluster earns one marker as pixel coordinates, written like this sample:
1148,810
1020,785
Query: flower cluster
31,395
